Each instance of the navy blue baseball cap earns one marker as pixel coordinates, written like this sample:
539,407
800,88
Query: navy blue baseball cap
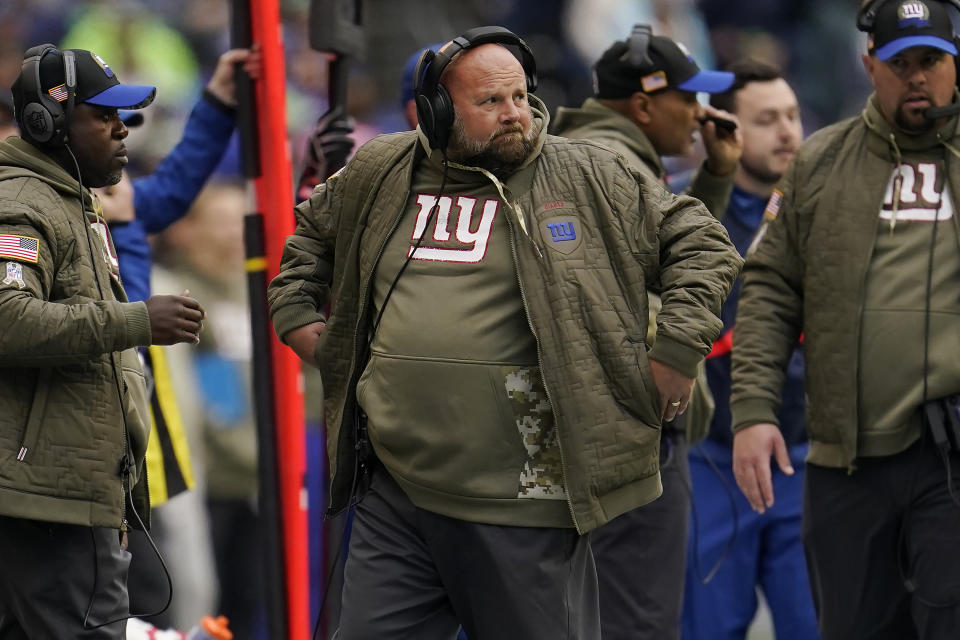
407,81
911,23
668,66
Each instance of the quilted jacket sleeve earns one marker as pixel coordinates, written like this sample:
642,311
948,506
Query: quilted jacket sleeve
40,330
712,190
770,312
300,292
695,269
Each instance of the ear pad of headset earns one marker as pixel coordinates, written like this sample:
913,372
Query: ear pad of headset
443,114
38,122
426,117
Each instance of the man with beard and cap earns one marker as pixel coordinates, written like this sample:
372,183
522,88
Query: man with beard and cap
750,551
645,106
860,252
74,425
490,398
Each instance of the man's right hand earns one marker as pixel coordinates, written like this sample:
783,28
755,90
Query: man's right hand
752,449
303,340
175,319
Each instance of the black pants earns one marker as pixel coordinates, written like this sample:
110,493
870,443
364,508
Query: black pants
641,556
235,528
868,533
412,573
52,574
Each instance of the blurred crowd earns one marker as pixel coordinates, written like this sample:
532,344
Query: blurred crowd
174,44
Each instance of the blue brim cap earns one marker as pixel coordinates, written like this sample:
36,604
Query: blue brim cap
124,96
708,82
894,47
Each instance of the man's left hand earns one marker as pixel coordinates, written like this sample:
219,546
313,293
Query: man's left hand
674,388
723,148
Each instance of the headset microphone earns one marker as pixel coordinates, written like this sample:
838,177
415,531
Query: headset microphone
935,113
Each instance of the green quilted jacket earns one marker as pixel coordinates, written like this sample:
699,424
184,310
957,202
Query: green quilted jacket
587,304
73,410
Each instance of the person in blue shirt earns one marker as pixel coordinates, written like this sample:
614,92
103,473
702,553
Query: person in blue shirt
737,549
151,203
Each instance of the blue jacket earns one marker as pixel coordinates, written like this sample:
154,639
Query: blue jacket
743,217
163,197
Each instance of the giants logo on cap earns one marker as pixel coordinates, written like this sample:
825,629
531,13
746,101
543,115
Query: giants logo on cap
913,14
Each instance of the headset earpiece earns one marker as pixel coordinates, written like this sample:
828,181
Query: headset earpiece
639,46
867,14
43,120
435,111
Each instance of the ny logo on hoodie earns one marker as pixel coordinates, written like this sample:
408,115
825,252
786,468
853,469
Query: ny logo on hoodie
467,243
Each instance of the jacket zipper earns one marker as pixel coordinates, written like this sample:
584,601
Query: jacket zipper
30,435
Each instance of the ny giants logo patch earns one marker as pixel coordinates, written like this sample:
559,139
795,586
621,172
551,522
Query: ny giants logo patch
561,233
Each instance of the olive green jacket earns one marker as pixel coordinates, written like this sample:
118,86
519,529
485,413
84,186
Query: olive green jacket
73,409
806,272
595,121
586,303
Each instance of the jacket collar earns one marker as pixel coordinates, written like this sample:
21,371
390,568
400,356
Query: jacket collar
19,158
598,116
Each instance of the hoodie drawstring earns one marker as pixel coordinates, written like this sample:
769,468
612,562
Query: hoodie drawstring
897,181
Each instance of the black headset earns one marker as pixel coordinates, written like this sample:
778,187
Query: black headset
639,46
43,120
434,106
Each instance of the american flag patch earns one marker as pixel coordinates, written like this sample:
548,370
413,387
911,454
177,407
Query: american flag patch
59,93
20,247
773,206
654,81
